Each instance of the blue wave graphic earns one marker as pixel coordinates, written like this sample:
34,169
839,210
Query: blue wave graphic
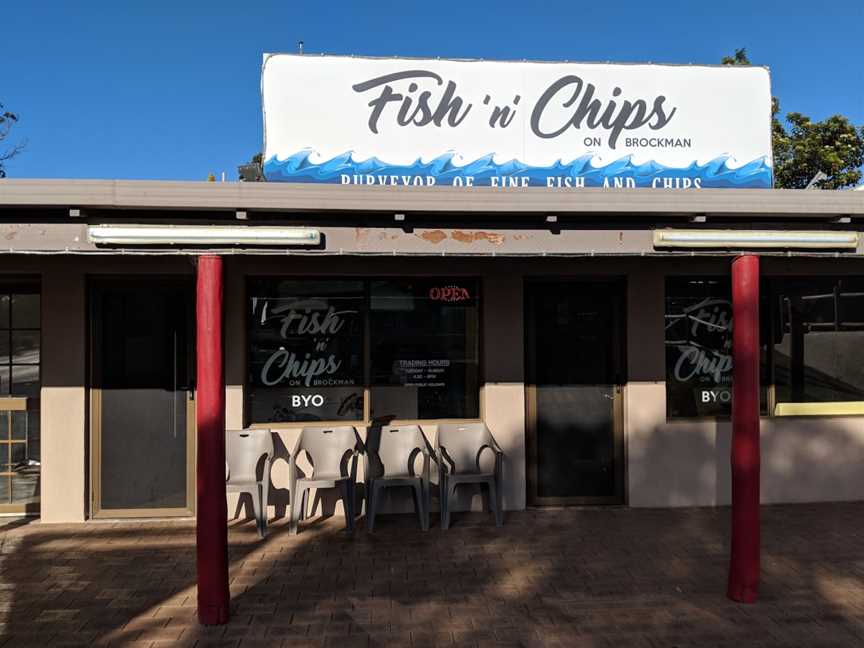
756,174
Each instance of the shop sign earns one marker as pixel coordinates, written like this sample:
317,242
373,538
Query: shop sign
699,357
303,357
562,126
449,294
423,372
318,365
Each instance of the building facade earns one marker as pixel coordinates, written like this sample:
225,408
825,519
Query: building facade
599,357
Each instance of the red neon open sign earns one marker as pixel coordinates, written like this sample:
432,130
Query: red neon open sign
449,294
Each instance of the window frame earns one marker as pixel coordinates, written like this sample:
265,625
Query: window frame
683,277
367,349
769,407
27,285
766,379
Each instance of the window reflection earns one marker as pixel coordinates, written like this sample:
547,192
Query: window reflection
317,346
306,350
698,347
20,346
818,339
424,348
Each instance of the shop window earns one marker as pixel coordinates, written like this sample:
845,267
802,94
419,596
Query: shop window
698,347
319,348
818,344
306,341
20,343
424,353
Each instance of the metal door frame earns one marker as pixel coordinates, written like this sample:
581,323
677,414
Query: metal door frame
618,286
95,410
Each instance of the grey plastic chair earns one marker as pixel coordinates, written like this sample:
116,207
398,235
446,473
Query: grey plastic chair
244,450
327,448
458,448
393,465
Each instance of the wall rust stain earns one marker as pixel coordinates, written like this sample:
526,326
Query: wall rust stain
473,237
433,236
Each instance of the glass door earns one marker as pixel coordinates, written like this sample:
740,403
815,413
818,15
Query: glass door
141,398
575,372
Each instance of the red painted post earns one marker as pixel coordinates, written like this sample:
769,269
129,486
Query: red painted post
212,511
744,559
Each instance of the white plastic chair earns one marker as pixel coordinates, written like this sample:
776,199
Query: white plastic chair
243,452
398,446
458,447
327,448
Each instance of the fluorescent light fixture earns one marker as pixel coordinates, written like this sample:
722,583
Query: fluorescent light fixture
201,235
762,239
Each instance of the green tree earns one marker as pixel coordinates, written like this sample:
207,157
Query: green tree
7,121
833,146
738,58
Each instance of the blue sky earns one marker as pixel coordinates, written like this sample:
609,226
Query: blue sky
130,89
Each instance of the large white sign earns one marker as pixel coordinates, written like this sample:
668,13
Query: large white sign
559,125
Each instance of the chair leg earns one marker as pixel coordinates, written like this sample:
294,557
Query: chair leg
371,505
260,511
419,506
296,511
255,496
494,505
442,501
449,495
352,502
265,500
346,493
304,505
427,501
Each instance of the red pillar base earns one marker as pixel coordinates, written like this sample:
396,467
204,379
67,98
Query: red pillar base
744,562
212,615
743,594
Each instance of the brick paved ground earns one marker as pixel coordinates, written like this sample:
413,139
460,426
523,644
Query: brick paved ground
548,578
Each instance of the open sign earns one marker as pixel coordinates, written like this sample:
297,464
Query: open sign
449,294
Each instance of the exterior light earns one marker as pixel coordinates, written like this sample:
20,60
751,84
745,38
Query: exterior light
762,239
201,235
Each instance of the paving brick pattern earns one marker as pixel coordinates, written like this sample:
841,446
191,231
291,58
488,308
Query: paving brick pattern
590,577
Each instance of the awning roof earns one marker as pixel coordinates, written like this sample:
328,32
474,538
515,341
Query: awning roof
279,197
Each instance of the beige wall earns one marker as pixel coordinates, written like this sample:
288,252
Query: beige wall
669,463
64,412
64,417
686,463
503,371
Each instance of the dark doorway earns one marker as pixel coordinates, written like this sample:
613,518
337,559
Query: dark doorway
575,362
142,418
